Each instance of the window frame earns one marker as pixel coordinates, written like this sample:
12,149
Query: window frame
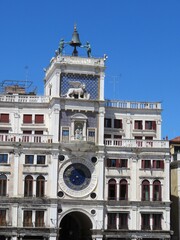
28,186
3,185
138,124
39,118
145,221
4,118
39,218
158,191
112,189
28,159
123,190
27,218
118,123
40,186
27,118
123,220
145,190
3,158
41,159
111,221
107,122
3,220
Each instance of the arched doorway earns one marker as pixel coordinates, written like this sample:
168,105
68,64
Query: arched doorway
75,226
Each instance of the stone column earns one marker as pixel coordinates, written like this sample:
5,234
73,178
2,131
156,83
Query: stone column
16,172
101,126
133,179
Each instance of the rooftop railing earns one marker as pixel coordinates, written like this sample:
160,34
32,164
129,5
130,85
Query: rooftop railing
136,143
133,105
24,98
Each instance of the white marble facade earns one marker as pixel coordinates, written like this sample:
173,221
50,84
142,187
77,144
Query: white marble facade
76,166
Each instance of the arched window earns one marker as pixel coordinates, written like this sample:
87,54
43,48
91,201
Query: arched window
145,190
40,186
112,189
28,186
3,185
123,190
156,190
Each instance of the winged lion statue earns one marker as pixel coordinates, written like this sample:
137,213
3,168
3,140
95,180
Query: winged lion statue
77,91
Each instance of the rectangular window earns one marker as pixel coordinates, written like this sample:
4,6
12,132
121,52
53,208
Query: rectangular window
145,221
123,163
3,158
123,221
29,159
157,221
112,162
107,122
146,164
65,134
107,136
27,118
2,217
27,219
41,159
158,164
39,118
111,220
4,118
138,124
91,135
39,220
150,125
118,123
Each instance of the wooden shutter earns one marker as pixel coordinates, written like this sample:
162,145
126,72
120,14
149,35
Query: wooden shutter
39,118
27,118
4,118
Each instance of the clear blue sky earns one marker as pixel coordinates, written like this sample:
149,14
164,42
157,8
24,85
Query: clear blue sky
140,37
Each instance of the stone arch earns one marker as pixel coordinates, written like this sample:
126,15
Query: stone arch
75,225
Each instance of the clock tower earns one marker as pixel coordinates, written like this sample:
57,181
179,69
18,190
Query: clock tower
75,86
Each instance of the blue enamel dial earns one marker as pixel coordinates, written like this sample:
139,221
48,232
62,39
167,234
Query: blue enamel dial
77,176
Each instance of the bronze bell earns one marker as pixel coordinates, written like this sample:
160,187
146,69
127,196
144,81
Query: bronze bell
75,42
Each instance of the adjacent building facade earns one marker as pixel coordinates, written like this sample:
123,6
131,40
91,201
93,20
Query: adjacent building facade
175,183
76,166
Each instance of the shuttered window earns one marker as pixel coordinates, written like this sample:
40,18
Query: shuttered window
39,118
4,118
27,118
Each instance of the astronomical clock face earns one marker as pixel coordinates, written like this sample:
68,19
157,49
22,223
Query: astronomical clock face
77,178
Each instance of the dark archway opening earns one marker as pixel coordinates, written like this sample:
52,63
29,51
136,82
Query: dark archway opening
75,226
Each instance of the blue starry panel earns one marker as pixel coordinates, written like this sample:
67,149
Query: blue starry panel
90,81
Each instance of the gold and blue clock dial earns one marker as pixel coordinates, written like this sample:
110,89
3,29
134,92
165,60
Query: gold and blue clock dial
77,176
